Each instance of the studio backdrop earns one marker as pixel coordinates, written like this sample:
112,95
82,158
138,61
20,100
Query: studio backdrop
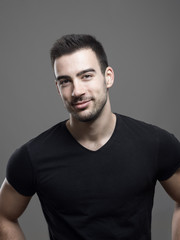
141,39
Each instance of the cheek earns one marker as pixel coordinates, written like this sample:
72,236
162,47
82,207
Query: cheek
99,89
65,94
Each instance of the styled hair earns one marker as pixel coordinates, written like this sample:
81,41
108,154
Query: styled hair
68,44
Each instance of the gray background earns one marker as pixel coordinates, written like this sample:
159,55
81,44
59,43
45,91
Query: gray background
141,39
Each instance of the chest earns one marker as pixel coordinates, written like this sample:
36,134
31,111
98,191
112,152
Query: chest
73,179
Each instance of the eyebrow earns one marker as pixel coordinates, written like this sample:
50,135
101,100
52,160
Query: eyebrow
77,75
85,71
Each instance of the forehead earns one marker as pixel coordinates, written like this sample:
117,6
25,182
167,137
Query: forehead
75,62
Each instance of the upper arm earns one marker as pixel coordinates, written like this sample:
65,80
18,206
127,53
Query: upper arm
172,186
12,204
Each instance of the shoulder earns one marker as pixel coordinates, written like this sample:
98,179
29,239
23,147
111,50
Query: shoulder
144,130
42,142
48,135
137,125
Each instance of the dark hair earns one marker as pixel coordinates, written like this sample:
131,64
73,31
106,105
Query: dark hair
68,44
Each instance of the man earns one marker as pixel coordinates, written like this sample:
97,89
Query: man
94,173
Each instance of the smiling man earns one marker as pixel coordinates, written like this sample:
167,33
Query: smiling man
94,173
84,88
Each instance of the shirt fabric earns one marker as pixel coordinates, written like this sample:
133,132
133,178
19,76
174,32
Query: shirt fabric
96,195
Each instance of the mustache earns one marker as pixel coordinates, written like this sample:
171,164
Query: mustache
80,99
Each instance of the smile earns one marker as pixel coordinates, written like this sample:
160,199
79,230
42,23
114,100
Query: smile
82,104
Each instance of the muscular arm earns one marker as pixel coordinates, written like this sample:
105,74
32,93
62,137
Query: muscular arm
172,187
12,205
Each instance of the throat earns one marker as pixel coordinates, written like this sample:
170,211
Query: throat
93,137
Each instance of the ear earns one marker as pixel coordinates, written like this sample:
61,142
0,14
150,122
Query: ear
109,76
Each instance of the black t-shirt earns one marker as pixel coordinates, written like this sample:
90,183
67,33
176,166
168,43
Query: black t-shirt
96,195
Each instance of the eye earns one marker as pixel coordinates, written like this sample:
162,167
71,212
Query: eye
87,76
64,82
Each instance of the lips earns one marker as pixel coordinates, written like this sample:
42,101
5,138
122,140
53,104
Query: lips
82,104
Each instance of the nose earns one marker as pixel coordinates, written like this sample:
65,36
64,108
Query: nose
78,89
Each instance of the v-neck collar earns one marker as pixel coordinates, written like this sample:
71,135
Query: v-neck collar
104,146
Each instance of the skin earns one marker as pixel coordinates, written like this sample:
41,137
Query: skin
91,122
84,91
172,187
12,205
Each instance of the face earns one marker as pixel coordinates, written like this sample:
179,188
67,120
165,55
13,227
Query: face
81,84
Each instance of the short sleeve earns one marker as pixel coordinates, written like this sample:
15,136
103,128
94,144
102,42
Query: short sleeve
168,155
19,172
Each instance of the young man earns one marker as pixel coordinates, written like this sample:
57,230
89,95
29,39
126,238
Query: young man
94,173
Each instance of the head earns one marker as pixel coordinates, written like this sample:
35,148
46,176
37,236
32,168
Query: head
82,78
74,42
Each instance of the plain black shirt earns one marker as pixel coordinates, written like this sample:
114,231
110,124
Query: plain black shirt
96,195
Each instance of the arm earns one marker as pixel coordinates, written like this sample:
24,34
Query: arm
12,205
172,187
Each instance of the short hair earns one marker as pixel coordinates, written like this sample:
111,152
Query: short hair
70,43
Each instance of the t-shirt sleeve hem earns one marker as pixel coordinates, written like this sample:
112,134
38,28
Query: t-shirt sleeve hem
19,172
26,194
170,173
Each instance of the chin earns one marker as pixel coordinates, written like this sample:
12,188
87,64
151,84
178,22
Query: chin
86,117
89,115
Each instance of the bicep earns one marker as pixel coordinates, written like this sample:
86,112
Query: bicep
12,204
172,186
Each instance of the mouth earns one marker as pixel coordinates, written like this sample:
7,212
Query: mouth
81,104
